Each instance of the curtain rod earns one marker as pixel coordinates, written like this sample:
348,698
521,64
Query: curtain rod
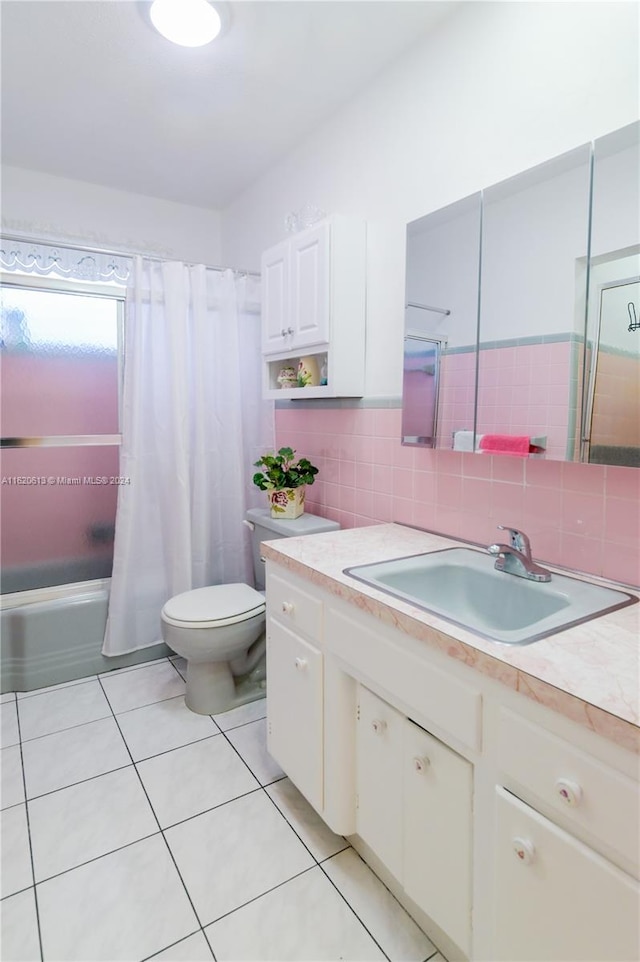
25,239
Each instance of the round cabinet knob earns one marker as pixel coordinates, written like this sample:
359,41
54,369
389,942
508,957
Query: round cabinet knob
524,850
379,726
420,763
289,330
301,664
283,332
570,792
287,607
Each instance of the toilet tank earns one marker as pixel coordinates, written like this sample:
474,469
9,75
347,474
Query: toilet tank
266,528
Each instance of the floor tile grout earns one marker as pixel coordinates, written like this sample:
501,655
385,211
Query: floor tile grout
50,689
81,781
26,888
155,955
345,899
317,862
260,787
161,830
256,898
24,741
26,806
164,838
96,858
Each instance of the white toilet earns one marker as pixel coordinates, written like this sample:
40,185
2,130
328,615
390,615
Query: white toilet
220,629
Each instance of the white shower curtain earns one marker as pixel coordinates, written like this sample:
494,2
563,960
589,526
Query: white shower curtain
193,423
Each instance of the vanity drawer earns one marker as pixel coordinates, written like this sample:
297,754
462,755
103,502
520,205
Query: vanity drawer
427,694
293,606
599,802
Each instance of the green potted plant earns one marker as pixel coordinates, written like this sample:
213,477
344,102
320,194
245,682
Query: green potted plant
284,479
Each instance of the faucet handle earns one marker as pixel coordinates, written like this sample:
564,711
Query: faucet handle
518,540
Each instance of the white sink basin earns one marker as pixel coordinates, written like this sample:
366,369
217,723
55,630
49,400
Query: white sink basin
462,586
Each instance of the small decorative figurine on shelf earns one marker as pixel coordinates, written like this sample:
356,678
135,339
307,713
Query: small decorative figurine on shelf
287,377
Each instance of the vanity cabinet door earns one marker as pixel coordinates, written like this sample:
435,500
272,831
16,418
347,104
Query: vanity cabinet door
438,799
379,736
294,711
554,897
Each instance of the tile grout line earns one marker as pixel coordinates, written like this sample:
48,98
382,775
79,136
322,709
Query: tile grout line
155,955
260,786
213,808
346,901
81,781
134,764
317,864
436,950
50,689
256,898
26,808
96,858
278,809
75,682
111,714
175,667
164,839
67,729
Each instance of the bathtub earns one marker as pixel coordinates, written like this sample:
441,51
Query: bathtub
52,635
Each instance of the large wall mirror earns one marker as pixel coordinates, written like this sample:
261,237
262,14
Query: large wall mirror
442,248
553,276
611,421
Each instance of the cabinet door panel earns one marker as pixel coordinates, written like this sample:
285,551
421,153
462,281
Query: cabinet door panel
438,787
379,778
555,898
294,710
275,299
310,287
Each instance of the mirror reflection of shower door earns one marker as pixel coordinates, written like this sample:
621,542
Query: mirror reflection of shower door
613,405
420,390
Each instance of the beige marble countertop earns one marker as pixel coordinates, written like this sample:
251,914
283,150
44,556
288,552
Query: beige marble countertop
589,673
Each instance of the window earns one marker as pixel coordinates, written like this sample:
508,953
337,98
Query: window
60,352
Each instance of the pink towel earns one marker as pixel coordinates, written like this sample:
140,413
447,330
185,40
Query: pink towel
516,445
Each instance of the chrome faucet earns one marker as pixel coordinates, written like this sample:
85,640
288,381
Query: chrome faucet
515,558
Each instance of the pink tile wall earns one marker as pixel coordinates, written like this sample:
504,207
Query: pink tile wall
457,396
582,516
525,389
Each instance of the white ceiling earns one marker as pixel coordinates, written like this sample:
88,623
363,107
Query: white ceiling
90,91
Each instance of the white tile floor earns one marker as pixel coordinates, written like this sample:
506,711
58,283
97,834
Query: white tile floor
132,829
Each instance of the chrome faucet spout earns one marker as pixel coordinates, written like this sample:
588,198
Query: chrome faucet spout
515,558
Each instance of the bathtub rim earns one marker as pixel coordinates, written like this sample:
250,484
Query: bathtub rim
34,596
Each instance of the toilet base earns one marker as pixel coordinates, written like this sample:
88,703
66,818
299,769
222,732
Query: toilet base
212,689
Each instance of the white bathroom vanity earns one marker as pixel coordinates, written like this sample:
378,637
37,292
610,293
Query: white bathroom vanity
493,788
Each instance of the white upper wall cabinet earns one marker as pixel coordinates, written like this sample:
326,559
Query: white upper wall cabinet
295,275
313,320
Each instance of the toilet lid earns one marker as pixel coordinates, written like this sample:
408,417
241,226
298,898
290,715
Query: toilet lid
215,605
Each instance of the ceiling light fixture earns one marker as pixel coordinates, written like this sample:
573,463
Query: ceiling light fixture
190,23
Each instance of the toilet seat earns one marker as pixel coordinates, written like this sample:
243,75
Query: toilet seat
214,607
